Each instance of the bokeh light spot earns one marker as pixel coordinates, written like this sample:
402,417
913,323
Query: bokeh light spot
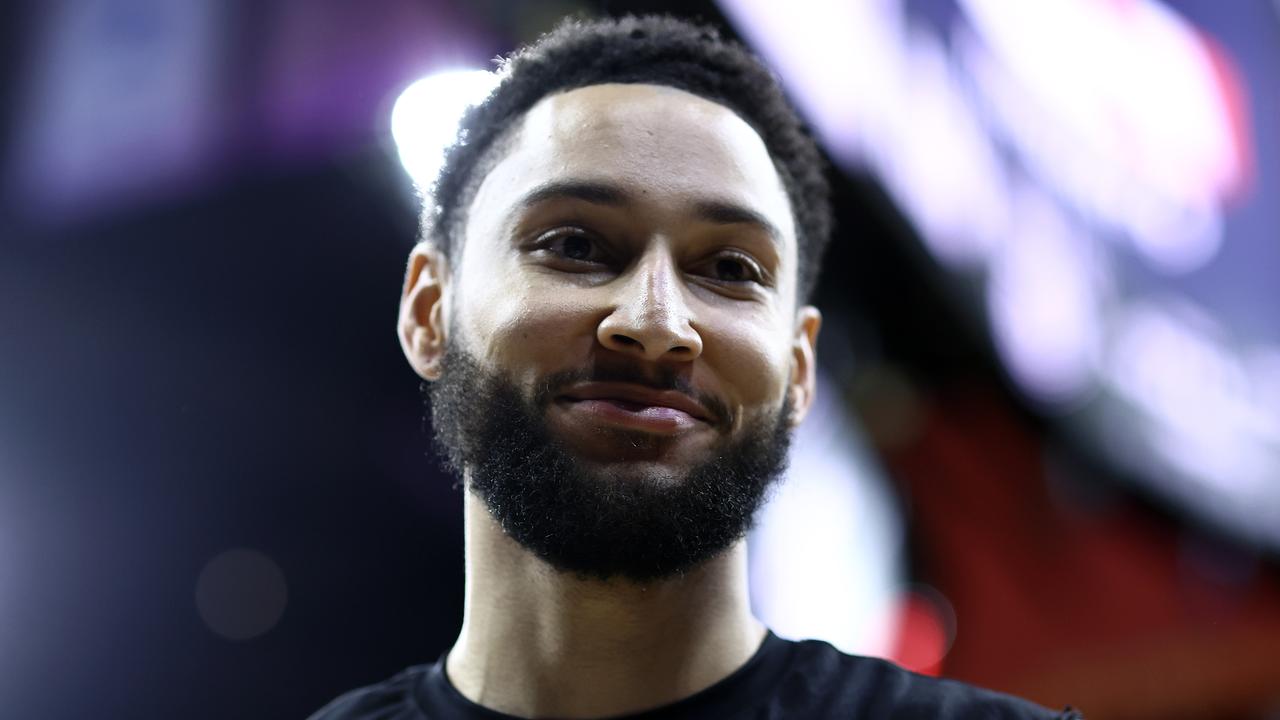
926,630
241,594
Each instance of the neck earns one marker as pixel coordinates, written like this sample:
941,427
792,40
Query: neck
537,642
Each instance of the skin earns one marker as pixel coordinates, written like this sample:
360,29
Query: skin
660,238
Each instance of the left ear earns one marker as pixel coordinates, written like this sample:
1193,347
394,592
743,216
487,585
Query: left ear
804,371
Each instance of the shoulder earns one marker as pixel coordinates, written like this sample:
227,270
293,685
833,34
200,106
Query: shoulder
854,686
392,699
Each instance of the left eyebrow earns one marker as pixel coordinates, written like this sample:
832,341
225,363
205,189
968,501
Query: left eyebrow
719,212
723,213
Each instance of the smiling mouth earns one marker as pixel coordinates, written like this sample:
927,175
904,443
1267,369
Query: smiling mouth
632,415
635,408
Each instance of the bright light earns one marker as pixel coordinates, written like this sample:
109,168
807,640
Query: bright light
1140,130
826,556
806,41
424,120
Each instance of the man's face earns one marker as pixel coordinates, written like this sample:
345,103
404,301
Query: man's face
623,299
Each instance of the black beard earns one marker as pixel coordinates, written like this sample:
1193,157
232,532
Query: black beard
585,521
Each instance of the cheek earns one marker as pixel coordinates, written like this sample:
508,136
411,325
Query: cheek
516,325
753,358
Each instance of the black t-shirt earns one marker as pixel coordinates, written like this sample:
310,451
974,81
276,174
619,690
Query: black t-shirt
784,679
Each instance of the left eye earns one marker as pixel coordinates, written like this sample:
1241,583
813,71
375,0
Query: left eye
735,269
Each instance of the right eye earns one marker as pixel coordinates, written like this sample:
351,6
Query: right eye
573,244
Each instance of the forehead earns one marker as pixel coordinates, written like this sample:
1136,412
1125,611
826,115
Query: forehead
665,145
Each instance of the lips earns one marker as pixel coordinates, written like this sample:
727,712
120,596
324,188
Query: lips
634,407
640,400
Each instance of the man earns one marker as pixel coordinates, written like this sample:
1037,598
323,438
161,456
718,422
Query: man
609,304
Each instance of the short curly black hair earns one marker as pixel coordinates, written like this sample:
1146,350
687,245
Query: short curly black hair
659,50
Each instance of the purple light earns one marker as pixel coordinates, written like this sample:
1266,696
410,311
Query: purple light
121,105
1207,421
1042,299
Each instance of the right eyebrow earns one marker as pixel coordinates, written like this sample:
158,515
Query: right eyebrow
589,191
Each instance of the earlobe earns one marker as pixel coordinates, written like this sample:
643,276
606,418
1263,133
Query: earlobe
421,325
804,371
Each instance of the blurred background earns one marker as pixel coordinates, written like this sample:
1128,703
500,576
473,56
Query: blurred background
1046,454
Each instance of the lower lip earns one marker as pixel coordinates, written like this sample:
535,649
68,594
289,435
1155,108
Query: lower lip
654,419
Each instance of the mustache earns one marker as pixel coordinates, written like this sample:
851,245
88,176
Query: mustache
655,378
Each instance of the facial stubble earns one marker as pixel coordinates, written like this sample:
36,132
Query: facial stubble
579,517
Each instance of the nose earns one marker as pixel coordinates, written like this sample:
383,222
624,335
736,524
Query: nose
650,318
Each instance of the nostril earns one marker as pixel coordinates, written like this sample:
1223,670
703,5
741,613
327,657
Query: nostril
624,340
